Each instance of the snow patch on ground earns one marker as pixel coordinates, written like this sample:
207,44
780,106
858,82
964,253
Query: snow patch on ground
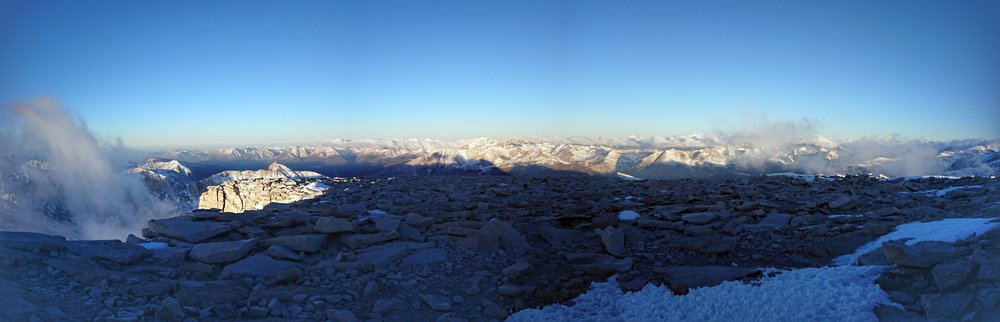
626,215
318,186
942,192
911,178
945,191
947,230
843,293
153,245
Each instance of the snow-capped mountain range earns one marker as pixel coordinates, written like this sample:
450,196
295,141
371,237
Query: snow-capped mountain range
676,157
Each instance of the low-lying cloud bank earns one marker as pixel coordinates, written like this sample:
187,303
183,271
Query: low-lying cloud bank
58,179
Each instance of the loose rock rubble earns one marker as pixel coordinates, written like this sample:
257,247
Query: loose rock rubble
479,248
942,281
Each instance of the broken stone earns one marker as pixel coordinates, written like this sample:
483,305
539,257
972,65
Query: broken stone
613,240
699,230
950,274
300,243
946,306
888,313
341,315
383,306
134,240
461,231
362,240
386,223
516,269
844,202
121,253
557,236
378,256
776,221
497,234
149,288
598,264
221,252
204,294
700,218
989,270
874,257
260,265
187,230
333,225
279,252
493,310
427,256
923,254
170,310
408,232
437,303
417,221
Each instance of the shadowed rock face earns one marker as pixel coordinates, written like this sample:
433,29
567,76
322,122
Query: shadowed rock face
478,248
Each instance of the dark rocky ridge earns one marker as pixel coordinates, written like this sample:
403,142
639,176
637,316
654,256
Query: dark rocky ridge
465,248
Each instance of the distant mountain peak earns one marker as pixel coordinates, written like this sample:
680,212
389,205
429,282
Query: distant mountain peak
274,170
169,165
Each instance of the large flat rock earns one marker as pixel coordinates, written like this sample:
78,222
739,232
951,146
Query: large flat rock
922,255
379,256
260,265
119,252
222,252
310,243
188,230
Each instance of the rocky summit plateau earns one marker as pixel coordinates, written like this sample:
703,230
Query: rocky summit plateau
489,248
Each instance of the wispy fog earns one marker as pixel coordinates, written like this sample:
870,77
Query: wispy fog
59,179
891,155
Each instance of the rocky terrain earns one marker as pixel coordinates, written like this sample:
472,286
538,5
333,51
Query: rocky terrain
458,248
254,194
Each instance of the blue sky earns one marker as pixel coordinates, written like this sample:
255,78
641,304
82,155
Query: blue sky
186,73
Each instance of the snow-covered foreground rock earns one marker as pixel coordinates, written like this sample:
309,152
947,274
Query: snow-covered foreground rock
947,230
839,293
